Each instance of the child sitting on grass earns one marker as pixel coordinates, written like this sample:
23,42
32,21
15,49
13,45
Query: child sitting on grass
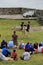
14,55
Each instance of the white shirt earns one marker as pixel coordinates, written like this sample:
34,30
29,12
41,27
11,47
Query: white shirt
26,55
40,49
2,57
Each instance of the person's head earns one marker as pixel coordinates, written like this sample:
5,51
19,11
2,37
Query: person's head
14,32
4,46
3,40
14,50
36,43
27,50
22,22
40,45
27,42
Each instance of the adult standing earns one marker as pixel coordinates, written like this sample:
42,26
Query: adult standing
22,25
28,26
15,38
23,29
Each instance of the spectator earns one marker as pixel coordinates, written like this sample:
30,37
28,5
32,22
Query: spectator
40,48
31,50
15,38
3,43
35,45
14,55
21,45
25,56
5,51
10,44
2,57
27,46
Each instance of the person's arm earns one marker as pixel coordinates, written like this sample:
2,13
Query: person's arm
11,54
8,51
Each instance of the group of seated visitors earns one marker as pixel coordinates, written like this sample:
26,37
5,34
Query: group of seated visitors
6,54
9,44
29,49
34,48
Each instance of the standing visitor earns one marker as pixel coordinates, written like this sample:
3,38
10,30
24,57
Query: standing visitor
22,24
28,26
15,38
23,29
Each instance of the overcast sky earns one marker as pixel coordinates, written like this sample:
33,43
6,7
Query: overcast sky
38,4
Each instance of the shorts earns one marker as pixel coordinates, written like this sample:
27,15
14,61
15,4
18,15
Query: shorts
27,30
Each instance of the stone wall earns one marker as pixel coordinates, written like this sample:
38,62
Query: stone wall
12,11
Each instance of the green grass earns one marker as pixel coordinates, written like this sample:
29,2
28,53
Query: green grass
6,25
6,33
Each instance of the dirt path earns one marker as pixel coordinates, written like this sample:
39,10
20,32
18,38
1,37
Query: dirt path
32,29
36,29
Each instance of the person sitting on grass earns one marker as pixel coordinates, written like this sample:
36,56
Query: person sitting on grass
35,47
31,50
3,43
5,51
26,55
29,46
10,44
21,45
14,55
40,48
3,58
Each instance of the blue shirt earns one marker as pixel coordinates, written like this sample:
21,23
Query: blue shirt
31,49
5,51
10,44
27,46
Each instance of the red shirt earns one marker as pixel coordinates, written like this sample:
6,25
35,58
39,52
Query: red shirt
13,54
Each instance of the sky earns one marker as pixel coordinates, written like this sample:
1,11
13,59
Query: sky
34,4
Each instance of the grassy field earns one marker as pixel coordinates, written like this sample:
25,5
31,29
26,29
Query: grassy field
6,33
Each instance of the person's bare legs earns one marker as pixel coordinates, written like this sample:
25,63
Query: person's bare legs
9,58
